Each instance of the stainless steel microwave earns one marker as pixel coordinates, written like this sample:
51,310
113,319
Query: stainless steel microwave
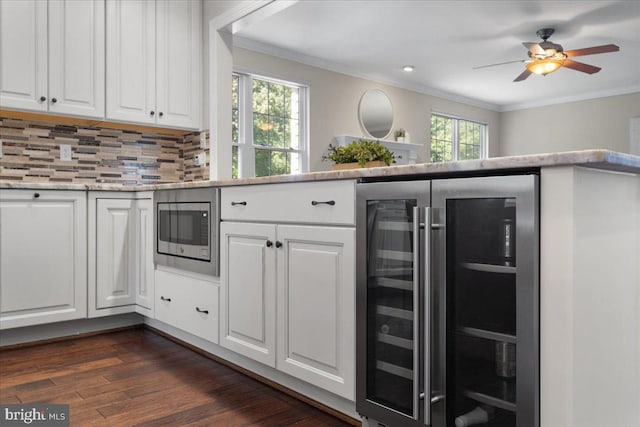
186,229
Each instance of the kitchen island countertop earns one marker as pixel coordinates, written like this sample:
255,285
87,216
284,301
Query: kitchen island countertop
598,159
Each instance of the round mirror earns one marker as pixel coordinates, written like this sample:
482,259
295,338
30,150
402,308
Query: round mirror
376,113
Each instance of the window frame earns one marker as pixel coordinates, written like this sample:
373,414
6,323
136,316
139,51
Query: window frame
455,142
246,147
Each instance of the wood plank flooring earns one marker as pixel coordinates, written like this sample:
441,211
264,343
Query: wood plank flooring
137,377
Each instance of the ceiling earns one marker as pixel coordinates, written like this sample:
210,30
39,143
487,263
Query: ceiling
444,40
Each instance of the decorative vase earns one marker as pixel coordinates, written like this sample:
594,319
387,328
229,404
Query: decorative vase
356,165
400,138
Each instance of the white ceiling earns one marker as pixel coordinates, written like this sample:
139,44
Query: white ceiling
444,40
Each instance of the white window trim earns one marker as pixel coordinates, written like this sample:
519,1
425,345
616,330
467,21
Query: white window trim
484,135
246,147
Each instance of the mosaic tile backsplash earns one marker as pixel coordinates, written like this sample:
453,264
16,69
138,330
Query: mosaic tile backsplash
31,153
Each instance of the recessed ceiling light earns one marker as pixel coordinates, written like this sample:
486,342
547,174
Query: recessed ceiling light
408,68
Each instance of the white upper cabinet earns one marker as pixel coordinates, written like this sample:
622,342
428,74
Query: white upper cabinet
52,56
131,56
23,54
153,62
178,63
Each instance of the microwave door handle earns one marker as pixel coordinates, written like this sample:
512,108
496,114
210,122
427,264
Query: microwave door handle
416,312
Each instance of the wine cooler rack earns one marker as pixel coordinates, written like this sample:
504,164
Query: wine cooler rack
482,288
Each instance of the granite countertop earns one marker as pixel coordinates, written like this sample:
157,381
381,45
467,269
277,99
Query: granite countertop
598,159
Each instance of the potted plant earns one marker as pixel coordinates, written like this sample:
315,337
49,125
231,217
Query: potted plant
400,133
363,153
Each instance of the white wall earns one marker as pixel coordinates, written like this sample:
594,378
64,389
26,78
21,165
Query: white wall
581,125
334,99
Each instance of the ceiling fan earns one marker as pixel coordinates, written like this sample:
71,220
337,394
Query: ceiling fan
546,57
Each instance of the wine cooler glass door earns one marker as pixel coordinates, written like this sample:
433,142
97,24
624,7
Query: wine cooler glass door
491,300
389,303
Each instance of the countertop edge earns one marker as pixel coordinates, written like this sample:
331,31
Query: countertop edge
598,159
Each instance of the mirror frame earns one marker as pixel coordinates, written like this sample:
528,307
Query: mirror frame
364,109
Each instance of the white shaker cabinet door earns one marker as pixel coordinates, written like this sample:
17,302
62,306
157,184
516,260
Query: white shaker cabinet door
144,255
131,60
247,309
43,257
115,241
23,54
76,57
178,63
316,306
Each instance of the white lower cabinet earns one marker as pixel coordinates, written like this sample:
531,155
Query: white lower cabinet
43,276
248,278
288,300
187,303
316,306
120,253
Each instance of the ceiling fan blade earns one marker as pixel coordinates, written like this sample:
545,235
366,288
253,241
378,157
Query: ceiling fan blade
499,63
534,48
592,50
524,75
579,66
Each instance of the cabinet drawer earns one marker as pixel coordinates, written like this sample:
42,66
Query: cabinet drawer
293,202
187,303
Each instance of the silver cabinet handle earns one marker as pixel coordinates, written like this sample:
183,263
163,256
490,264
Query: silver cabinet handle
165,299
329,202
199,310
426,249
416,310
238,203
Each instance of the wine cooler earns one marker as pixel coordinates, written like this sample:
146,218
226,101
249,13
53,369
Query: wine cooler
447,302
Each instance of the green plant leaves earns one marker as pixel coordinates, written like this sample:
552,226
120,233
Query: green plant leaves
361,152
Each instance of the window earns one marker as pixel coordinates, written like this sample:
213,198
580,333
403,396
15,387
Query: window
457,139
269,127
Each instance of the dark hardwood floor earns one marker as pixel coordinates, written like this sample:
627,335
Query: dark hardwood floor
137,377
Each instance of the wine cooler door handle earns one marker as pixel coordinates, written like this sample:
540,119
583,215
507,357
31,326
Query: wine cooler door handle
426,261
416,311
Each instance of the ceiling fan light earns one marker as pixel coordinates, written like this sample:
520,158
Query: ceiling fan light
408,68
544,66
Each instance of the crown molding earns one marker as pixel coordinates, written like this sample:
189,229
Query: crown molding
572,98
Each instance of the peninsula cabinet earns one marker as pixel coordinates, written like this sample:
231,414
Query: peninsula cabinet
153,62
43,273
121,275
288,290
52,56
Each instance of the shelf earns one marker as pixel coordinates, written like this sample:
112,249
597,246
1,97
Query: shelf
392,271
394,226
489,335
396,341
405,285
491,401
394,369
480,383
489,268
394,255
394,312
